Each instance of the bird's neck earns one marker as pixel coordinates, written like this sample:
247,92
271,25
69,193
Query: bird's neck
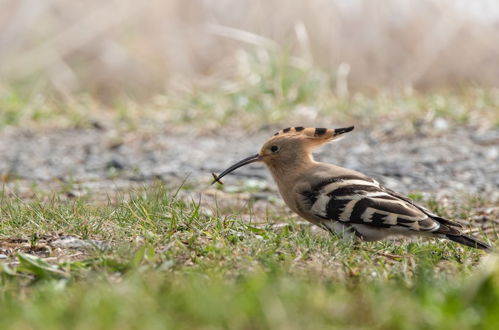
285,171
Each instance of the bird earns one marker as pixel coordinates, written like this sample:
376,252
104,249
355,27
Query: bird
343,201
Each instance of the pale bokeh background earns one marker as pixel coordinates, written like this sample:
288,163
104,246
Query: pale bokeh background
144,48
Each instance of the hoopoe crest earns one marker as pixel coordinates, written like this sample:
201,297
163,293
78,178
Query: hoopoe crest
341,200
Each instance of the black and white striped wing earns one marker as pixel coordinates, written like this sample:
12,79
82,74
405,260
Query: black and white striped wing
361,200
423,209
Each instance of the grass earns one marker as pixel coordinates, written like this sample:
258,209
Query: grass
171,264
252,106
139,49
271,87
160,258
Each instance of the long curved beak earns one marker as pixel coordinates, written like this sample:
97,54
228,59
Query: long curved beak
245,161
339,131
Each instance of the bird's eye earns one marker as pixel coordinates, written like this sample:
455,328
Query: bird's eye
274,148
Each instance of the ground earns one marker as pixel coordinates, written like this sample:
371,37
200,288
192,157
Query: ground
113,223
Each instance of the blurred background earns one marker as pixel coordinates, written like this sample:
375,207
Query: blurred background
114,114
140,49
132,85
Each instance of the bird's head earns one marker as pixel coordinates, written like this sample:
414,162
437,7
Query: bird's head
288,146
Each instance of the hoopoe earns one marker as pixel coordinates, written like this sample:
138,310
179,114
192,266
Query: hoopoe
341,200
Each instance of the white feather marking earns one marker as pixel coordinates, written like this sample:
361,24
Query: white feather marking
435,226
335,185
360,196
400,202
347,211
366,216
320,205
391,219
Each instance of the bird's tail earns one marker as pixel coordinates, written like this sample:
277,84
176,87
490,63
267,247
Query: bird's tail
469,241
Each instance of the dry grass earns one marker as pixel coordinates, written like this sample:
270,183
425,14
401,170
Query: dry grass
142,48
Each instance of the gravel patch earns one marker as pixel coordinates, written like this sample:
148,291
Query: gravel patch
463,160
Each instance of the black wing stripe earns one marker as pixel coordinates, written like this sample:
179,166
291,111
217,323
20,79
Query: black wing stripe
378,220
327,181
401,220
360,200
395,207
359,209
423,209
353,190
387,197
399,210
335,207
310,196
378,217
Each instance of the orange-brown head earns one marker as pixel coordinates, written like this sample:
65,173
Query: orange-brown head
289,148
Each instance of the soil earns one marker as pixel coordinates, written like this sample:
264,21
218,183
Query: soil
459,161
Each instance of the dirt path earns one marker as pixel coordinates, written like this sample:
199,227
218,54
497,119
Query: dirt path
458,161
